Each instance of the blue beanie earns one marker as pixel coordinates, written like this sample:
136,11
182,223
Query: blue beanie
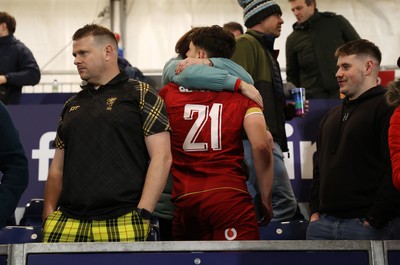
253,7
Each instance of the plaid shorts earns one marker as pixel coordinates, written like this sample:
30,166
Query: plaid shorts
127,228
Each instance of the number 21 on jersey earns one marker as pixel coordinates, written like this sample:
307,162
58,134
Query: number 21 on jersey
203,115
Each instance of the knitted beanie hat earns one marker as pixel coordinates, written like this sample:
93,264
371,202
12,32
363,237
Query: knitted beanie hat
254,7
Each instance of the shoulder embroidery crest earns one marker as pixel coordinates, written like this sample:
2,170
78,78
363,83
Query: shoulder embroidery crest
110,102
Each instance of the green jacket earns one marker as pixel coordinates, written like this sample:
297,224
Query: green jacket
310,53
255,53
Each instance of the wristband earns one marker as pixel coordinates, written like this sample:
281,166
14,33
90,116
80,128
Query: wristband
237,85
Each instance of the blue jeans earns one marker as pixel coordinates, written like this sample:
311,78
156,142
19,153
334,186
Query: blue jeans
332,228
284,202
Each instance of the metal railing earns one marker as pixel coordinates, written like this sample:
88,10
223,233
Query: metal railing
210,252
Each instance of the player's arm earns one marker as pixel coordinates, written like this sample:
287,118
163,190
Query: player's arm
215,74
261,144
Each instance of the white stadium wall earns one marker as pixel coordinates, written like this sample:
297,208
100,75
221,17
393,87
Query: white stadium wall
154,26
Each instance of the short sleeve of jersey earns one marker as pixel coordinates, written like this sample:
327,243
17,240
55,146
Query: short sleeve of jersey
253,110
58,142
154,114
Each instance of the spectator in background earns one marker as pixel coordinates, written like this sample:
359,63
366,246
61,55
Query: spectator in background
13,167
352,193
209,183
18,67
112,154
310,48
255,52
393,97
125,66
234,27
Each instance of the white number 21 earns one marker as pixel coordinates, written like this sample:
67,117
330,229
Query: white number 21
204,113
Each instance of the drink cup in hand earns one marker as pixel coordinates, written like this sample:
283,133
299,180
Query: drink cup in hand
299,97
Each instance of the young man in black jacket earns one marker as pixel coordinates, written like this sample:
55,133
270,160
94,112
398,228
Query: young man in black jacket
352,194
18,67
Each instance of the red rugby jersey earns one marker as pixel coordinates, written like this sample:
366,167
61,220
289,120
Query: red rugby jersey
206,138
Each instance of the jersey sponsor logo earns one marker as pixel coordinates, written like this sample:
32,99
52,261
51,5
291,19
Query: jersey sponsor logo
230,234
73,108
186,90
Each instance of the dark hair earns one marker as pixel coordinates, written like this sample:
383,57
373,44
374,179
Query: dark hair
97,31
232,26
308,2
215,41
9,20
393,93
360,47
182,45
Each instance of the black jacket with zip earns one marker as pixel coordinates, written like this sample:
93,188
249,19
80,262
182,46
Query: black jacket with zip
310,53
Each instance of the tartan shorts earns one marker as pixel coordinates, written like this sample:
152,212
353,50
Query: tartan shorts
127,228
